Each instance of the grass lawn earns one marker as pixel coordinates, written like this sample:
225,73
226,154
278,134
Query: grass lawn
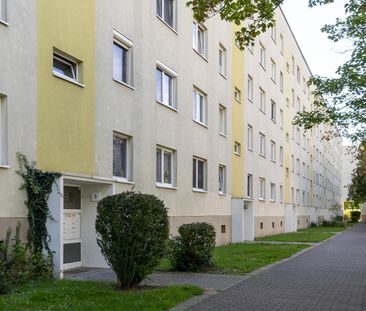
82,295
304,235
242,258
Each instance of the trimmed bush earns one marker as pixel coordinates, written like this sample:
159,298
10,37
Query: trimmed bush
333,223
338,218
355,216
132,233
193,249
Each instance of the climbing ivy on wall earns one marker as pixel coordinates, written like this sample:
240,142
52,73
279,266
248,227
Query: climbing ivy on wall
38,186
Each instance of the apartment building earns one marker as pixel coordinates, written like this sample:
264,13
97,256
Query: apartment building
134,95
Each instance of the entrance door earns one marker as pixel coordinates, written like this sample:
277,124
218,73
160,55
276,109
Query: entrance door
72,227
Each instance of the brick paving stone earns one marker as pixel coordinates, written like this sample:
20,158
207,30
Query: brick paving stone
331,276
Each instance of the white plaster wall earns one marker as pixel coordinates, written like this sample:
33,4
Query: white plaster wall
18,83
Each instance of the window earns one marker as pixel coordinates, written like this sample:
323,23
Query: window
262,189
3,131
298,103
281,81
274,32
262,144
222,179
65,67
292,163
249,185
298,166
292,195
298,136
273,192
165,86
222,120
222,60
273,111
304,85
199,33
297,196
199,174
273,70
281,155
122,59
281,194
237,148
165,166
293,65
250,88
121,156
298,74
165,9
199,107
3,10
262,100
262,55
281,118
281,43
250,137
237,95
273,151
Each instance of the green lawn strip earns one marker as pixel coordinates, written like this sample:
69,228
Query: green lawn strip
87,295
304,235
242,258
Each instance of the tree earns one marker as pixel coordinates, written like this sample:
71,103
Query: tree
357,188
339,102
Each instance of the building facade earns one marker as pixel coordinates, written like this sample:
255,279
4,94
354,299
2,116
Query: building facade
129,96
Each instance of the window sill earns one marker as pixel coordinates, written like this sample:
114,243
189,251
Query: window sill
167,106
237,154
223,194
202,124
223,135
223,75
262,111
263,67
123,180
262,155
4,22
166,24
68,80
199,54
272,201
4,166
237,100
125,84
199,190
261,200
273,80
165,186
250,149
273,120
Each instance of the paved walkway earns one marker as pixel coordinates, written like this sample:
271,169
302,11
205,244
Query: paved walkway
215,282
331,276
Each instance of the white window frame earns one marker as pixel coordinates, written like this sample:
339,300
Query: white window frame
222,120
167,71
273,111
281,81
262,144
172,153
281,118
3,12
273,70
67,60
237,94
204,162
250,88
199,111
222,187
262,100
281,156
262,189
273,192
281,193
174,14
249,186
196,28
222,60
281,43
128,174
3,131
273,151
127,44
250,137
237,148
262,56
274,32
298,74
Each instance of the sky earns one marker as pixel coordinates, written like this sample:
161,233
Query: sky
322,55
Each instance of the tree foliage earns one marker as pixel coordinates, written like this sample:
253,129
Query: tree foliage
340,101
357,188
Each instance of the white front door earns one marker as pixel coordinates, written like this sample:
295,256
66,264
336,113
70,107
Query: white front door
72,227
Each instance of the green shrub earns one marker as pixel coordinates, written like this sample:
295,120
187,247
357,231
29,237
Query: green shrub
338,218
355,216
132,233
333,223
313,225
193,249
19,266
